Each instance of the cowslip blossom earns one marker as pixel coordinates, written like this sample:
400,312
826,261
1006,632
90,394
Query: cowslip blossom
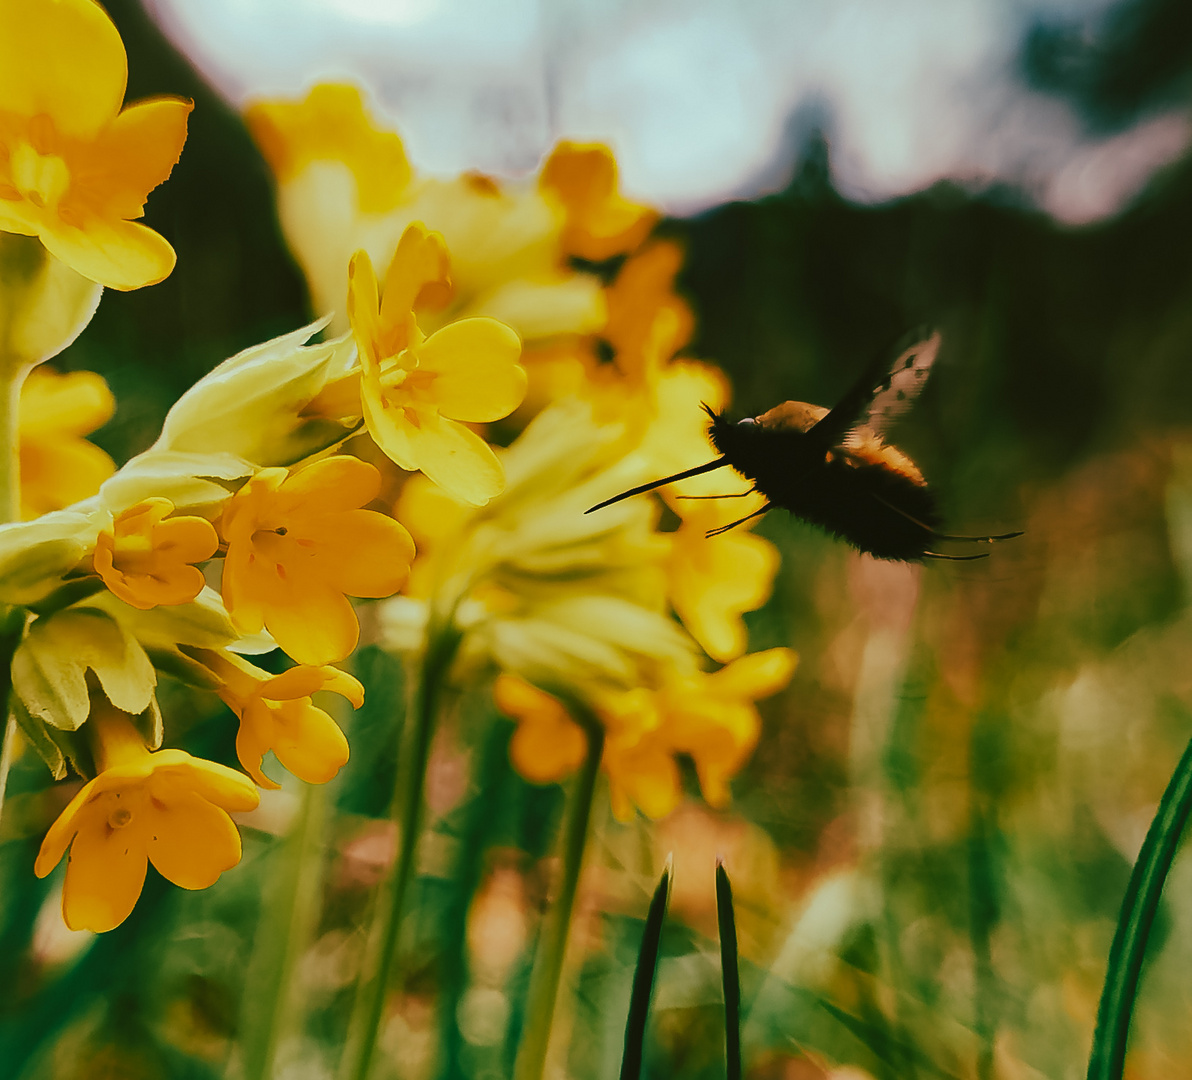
276,713
418,392
59,466
344,184
600,222
710,717
75,169
299,544
147,557
167,808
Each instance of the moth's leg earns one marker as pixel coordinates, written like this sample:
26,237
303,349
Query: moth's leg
734,495
740,521
947,536
955,558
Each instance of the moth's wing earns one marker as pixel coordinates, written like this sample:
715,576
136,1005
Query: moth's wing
883,391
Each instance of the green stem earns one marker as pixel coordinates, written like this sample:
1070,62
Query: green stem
270,1012
552,947
364,1029
1139,907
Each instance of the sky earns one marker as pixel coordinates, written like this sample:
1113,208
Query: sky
702,100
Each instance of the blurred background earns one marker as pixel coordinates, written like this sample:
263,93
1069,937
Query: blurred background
931,844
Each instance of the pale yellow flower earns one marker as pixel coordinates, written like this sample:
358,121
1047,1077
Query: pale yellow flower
344,185
59,466
418,393
167,808
75,169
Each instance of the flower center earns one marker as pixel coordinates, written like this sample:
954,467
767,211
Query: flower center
42,179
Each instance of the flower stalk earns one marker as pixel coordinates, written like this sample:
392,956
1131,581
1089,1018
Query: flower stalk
443,640
552,947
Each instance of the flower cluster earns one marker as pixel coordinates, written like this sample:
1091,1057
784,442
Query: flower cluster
584,605
105,589
247,527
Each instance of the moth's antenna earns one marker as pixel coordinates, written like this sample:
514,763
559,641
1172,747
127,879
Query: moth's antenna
719,463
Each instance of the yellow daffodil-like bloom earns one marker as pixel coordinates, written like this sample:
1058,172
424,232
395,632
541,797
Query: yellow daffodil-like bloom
276,713
710,717
299,545
147,557
74,168
418,393
167,808
59,466
344,184
542,589
601,223
547,745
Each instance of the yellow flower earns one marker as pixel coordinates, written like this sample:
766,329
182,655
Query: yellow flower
331,125
299,545
712,718
418,392
167,808
344,184
541,588
713,580
276,713
709,717
74,168
59,466
601,223
547,745
146,559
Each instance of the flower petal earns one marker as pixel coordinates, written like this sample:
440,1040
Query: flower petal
104,876
122,255
457,459
479,379
64,60
191,842
755,676
137,152
308,742
419,275
336,483
316,624
363,304
216,783
361,552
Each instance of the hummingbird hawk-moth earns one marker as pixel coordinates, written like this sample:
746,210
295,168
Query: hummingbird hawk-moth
832,467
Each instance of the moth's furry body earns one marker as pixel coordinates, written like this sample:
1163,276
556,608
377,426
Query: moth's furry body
831,467
854,491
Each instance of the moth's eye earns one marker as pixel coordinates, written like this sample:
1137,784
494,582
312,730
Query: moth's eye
747,420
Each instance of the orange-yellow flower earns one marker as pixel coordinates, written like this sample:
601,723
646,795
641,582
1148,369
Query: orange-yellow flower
709,717
601,222
276,713
74,168
547,745
59,466
418,393
167,808
147,557
299,544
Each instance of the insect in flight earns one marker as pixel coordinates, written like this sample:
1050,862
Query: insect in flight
831,467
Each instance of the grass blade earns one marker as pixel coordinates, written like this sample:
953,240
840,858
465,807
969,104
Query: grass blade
1139,906
643,978
727,924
